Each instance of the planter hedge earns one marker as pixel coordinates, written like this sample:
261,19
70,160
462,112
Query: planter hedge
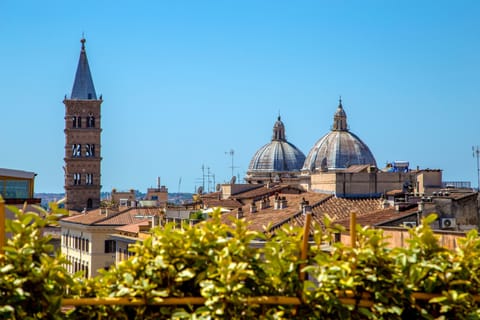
217,262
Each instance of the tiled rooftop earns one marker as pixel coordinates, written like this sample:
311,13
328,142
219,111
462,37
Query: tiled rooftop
119,218
133,228
336,209
262,218
225,203
263,191
378,217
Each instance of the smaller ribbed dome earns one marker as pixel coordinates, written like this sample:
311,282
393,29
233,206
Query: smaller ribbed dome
277,156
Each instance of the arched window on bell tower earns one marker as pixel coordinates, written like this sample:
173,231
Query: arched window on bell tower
91,121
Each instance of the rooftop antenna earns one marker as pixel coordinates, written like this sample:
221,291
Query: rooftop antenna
231,153
203,177
476,153
208,179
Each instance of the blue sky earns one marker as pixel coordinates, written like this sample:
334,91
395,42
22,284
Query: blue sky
184,82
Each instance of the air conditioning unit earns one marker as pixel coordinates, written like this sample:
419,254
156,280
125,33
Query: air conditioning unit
410,224
446,223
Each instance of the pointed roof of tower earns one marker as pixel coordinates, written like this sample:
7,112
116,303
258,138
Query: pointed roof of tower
83,87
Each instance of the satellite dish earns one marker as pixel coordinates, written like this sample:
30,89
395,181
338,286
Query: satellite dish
217,188
200,190
232,181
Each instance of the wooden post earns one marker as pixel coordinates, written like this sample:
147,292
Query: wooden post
2,224
306,233
353,230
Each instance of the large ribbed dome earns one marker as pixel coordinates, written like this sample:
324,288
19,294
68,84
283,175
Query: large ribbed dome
277,156
339,148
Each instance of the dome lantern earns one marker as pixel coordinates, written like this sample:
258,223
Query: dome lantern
279,130
340,118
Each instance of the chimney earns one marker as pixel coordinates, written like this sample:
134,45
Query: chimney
240,213
253,207
265,203
303,203
385,204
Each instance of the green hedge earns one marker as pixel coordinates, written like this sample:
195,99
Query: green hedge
217,262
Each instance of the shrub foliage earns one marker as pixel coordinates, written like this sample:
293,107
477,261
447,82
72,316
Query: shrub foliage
223,265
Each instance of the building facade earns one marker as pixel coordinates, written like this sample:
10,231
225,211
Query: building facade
17,189
82,141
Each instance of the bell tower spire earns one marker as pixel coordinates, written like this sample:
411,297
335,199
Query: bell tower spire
82,140
83,87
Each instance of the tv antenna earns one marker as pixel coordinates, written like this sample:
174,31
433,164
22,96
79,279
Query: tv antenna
231,153
476,153
206,179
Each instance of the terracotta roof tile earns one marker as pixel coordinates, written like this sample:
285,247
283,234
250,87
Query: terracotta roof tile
356,168
225,203
134,227
336,209
259,192
262,218
378,217
127,216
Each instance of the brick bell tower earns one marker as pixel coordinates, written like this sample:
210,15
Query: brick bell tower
82,140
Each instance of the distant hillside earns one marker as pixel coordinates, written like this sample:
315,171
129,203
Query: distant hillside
176,198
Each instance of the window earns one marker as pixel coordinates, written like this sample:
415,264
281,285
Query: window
91,121
76,150
89,203
15,189
89,179
76,179
74,121
89,150
110,246
79,122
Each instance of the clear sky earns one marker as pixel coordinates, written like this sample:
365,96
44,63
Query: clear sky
185,82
